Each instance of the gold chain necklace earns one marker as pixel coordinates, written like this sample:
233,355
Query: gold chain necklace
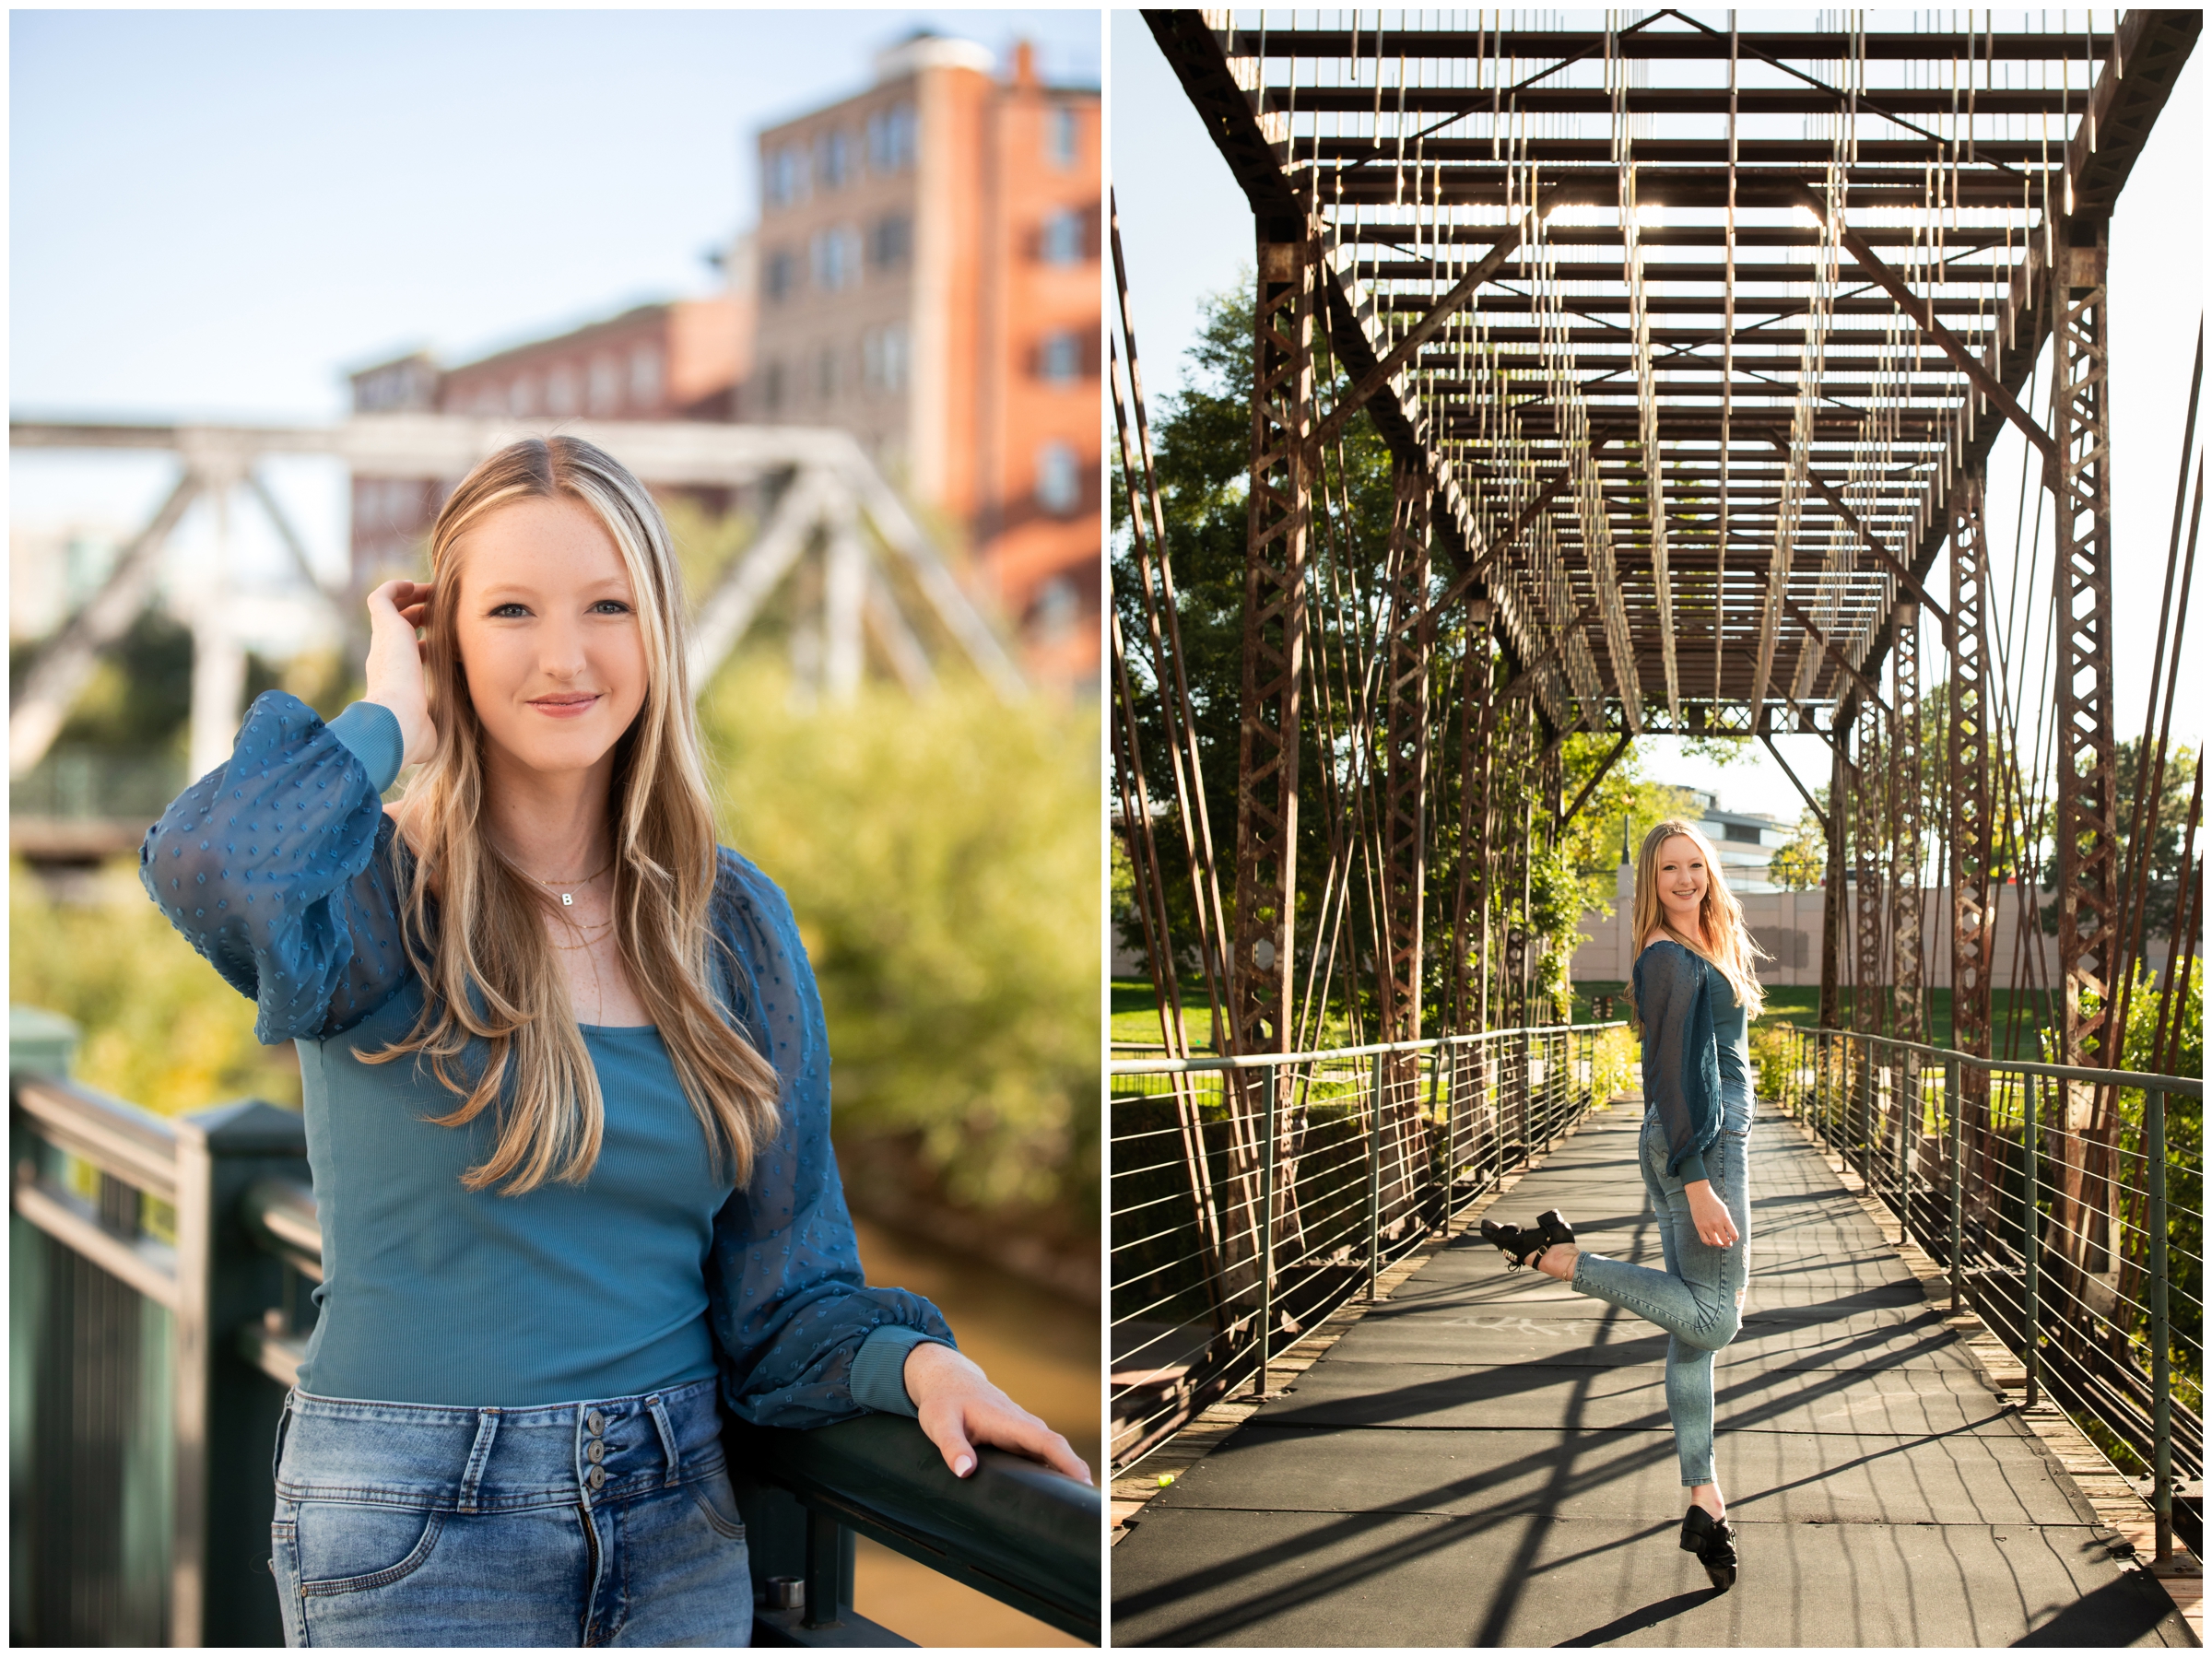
568,899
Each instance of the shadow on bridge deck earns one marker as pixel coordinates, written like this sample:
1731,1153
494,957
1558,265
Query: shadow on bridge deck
1486,1460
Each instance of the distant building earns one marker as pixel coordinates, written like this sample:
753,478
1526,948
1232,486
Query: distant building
925,275
927,267
680,360
1744,841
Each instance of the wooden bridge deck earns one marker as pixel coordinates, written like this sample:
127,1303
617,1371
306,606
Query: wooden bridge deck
1484,1460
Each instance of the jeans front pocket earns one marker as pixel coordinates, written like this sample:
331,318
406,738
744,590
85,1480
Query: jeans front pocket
718,1501
351,1547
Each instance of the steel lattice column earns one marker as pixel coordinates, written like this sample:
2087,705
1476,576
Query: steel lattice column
1973,824
1905,938
2087,831
1835,912
1477,840
1868,817
1405,757
1280,524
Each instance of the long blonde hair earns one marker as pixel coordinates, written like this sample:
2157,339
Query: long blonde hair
487,967
1720,915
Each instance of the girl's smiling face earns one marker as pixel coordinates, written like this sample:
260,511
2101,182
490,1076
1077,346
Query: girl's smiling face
1683,879
547,629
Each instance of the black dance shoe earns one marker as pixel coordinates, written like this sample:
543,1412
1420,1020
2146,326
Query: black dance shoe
1526,1246
1714,1542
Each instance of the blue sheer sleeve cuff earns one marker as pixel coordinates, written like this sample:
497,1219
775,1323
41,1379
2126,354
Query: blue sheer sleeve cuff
879,1368
371,731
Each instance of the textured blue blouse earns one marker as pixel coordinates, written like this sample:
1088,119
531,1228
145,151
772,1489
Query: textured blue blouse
279,866
1696,1052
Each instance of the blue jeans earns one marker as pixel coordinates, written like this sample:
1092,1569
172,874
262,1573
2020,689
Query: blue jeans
609,1522
1698,1298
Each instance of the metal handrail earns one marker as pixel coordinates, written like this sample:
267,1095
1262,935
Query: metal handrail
1263,1061
1013,1530
1895,1188
1265,1202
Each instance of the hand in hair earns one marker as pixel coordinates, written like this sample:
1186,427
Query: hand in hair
959,1408
395,673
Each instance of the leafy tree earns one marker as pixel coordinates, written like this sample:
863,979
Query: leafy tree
1203,446
1800,862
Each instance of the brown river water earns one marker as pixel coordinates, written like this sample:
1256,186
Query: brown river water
1043,1349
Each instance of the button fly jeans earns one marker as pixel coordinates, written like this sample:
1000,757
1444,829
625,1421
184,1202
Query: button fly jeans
1698,1298
609,1522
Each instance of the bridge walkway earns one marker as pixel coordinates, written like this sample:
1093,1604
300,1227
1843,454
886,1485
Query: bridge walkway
1484,1460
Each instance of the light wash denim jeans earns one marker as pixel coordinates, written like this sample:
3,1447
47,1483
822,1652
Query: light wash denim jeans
1698,1298
609,1522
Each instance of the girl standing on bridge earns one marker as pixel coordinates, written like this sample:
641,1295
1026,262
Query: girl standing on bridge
1694,994
566,1085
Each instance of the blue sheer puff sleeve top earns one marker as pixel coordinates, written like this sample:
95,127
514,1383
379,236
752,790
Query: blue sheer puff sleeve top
1681,1052
279,866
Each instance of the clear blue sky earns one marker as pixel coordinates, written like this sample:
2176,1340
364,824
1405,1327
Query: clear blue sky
1187,233
218,212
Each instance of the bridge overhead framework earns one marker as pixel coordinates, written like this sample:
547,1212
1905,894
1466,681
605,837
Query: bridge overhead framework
1690,343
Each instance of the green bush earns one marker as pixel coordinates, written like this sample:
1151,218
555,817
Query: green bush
160,1028
943,860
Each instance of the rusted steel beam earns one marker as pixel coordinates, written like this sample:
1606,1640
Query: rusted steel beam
2083,805
1832,910
1405,757
1797,612
1905,933
1543,44
1384,372
2141,67
1972,825
1590,787
1279,515
1914,306
1474,854
1804,794
1687,100
1869,817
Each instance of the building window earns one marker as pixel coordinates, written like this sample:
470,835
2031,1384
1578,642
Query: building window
1740,831
892,241
644,378
1061,136
778,276
825,373
561,391
1058,487
833,158
605,391
891,139
1060,357
785,184
836,256
883,358
1061,242
522,396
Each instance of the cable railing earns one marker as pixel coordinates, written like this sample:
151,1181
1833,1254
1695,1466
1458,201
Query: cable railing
163,1274
1252,1196
2065,1207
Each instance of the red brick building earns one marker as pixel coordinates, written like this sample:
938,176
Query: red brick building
925,275
681,361
928,279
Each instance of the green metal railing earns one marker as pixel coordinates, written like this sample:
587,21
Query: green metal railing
2060,1212
1252,1196
160,1297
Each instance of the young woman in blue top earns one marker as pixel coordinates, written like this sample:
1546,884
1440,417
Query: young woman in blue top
1694,993
565,1086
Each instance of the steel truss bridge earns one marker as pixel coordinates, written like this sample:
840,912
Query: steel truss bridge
1689,344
